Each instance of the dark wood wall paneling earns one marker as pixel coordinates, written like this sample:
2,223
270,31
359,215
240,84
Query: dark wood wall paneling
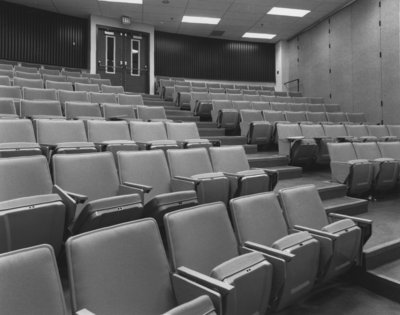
207,58
42,37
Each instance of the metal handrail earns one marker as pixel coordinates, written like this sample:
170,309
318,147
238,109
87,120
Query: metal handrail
294,80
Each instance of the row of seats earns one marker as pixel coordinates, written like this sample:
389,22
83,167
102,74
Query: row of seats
270,257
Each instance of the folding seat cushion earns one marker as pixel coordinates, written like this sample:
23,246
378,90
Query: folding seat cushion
252,98
298,107
118,112
202,244
4,66
332,108
39,94
17,138
151,135
100,81
235,97
359,133
316,117
358,118
89,185
341,237
233,91
380,132
191,169
295,117
116,89
224,114
83,111
216,90
66,86
148,173
128,99
316,132
239,105
7,73
75,80
254,127
151,113
386,170
41,109
241,86
5,80
213,85
87,87
110,136
317,100
148,269
292,143
70,96
199,84
27,75
7,108
29,83
178,89
30,214
49,71
203,98
26,69
227,86
186,134
261,105
347,169
232,161
281,93
315,108
250,92
337,132
260,226
31,273
394,130
62,136
101,98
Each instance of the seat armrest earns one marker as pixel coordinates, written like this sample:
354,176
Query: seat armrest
238,176
84,311
364,224
215,143
295,138
331,236
144,188
182,183
187,179
273,177
77,198
144,145
269,251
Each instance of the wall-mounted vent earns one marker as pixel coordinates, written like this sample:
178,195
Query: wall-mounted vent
217,33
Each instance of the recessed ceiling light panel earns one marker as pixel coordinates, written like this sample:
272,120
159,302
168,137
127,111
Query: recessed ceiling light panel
288,12
125,1
200,20
259,35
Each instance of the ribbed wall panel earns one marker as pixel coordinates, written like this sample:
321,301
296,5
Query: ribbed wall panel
206,58
42,37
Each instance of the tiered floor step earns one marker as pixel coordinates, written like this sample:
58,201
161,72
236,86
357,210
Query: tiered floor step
177,112
211,133
226,140
206,124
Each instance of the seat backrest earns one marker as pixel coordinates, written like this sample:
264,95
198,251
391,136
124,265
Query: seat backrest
131,260
268,88
100,98
5,80
378,130
316,117
30,83
298,107
230,159
241,86
16,130
218,96
233,91
251,97
116,89
295,116
213,85
24,177
25,69
266,93
27,75
273,115
71,73
280,106
54,78
7,106
367,150
261,105
390,149
341,152
216,90
199,84
249,115
200,96
53,131
142,131
7,73
258,218
189,162
76,109
337,117
100,81
235,97
303,206
74,80
70,96
356,117
255,87
31,108
200,237
118,111
394,130
147,113
101,130
356,130
66,86
315,107
126,99
335,131
311,131
182,131
227,86
221,104
181,88
91,174
5,66
239,105
30,282
331,108
288,130
266,98
281,94
147,168
87,87
39,94
250,92
199,89
49,71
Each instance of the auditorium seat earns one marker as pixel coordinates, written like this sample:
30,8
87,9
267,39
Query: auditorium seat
118,112
255,87
62,136
4,66
178,98
191,169
197,98
83,111
27,75
199,84
128,99
7,73
87,87
151,113
266,98
232,91
341,237
260,226
386,169
235,97
357,118
213,85
265,93
30,83
268,88
216,90
316,132
101,98
315,108
116,89
254,127
17,138
70,96
186,135
54,78
317,100
241,86
145,286
282,107
347,169
34,109
224,114
203,245
394,130
49,71
292,143
331,108
100,82
25,69
5,80
31,273
148,173
380,132
166,89
7,108
227,86
30,213
91,75
295,117
39,94
66,86
298,107
68,73
89,185
151,135
260,105
336,117
250,92
252,98
337,132
281,93
199,89
110,136
359,133
75,80
390,150
316,117
233,163
239,105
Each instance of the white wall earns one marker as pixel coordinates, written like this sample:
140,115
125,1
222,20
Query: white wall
98,20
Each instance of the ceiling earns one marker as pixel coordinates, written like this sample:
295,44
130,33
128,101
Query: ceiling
237,16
